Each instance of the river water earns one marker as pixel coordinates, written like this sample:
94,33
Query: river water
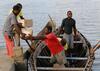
85,12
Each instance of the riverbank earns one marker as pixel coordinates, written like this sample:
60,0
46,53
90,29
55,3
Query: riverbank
6,63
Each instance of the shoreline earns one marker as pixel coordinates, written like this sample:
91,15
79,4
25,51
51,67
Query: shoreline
6,63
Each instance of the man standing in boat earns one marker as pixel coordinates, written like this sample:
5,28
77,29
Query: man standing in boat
10,25
68,25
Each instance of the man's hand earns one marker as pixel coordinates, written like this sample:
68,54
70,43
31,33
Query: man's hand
10,37
23,35
76,36
29,37
20,25
61,31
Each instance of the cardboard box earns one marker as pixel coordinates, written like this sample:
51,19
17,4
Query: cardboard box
28,23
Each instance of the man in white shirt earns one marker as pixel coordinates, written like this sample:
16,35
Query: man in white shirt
11,24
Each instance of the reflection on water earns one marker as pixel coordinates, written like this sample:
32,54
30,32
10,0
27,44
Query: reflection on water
85,12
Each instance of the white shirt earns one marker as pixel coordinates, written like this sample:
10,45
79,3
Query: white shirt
11,20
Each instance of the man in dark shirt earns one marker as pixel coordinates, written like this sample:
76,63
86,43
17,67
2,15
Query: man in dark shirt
68,25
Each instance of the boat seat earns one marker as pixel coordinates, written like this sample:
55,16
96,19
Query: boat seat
77,42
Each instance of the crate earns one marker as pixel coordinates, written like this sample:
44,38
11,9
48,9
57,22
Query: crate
28,23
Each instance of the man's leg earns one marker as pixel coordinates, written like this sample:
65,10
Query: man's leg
60,57
66,37
71,41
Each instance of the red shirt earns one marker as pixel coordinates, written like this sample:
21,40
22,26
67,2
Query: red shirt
53,44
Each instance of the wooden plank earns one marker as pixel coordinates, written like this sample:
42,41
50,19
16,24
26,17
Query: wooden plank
77,42
60,69
71,58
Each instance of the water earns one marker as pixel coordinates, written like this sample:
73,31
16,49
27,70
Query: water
85,12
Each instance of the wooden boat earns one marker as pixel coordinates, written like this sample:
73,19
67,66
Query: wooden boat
79,57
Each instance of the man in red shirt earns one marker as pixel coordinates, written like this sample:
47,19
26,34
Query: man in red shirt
55,47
